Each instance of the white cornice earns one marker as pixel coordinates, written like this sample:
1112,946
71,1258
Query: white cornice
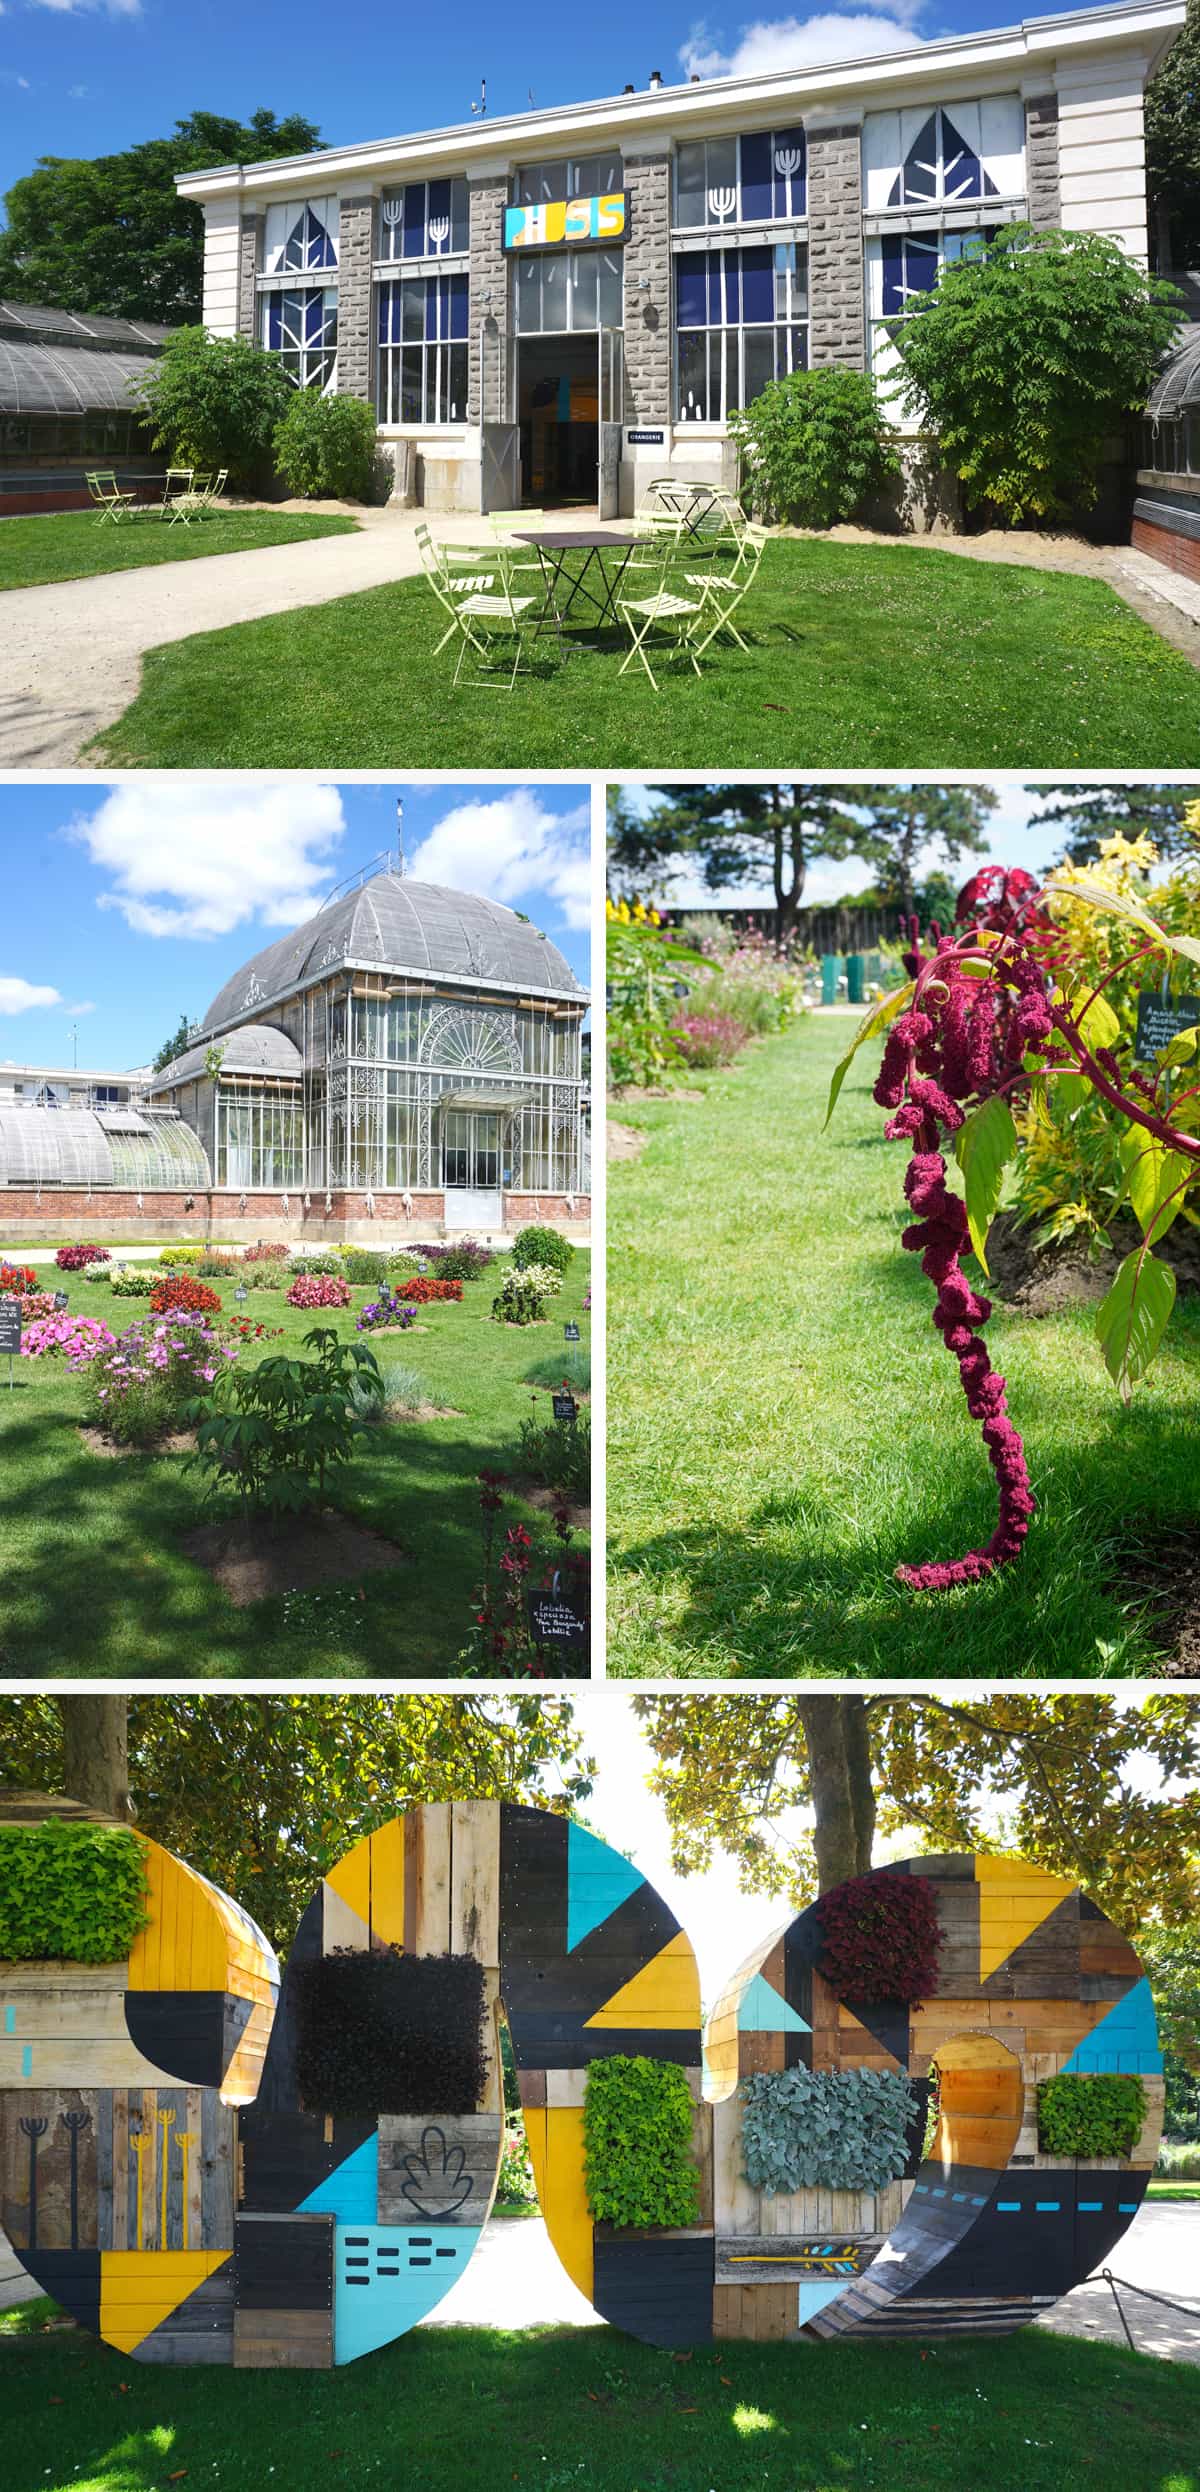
1038,43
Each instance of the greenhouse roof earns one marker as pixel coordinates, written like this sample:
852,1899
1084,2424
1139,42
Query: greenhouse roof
1177,389
69,363
410,929
254,1048
111,1149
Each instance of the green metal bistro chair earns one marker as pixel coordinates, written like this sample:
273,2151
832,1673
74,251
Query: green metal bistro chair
177,493
112,503
449,581
664,606
205,492
488,616
722,592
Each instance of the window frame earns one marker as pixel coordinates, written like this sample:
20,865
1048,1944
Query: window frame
444,364
739,214
323,355
393,232
726,364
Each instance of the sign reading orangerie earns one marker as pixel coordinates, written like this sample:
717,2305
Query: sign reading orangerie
567,220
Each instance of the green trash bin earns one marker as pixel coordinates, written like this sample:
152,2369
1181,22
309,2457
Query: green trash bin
831,970
856,977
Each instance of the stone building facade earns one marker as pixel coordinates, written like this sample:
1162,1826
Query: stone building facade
586,293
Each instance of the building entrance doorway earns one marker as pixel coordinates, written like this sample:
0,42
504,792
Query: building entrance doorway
558,395
471,1169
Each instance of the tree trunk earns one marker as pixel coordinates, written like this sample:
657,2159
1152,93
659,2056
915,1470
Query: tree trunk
96,1752
839,1763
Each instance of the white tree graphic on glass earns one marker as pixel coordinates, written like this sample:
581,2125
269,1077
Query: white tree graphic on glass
393,215
789,162
721,204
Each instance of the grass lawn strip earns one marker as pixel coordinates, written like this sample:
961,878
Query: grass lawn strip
785,1426
588,2410
95,1579
861,657
74,545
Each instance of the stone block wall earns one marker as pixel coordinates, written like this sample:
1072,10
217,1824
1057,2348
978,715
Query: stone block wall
489,274
356,345
1041,161
647,271
249,251
836,320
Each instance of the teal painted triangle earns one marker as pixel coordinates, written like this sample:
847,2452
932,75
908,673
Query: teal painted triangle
1125,2042
762,2010
598,1879
815,2296
351,2191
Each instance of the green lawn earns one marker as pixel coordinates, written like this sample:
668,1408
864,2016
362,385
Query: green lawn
862,658
785,1426
587,2410
71,545
95,1583
1182,2191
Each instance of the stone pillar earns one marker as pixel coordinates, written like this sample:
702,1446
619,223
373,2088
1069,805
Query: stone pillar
836,330
356,334
648,291
249,252
1041,161
488,276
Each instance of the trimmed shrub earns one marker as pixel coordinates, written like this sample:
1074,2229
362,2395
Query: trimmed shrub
637,2136
466,1262
70,1890
380,2031
1084,2116
826,2128
880,1937
542,1245
814,445
326,446
362,1268
185,1257
183,1296
75,1258
319,1289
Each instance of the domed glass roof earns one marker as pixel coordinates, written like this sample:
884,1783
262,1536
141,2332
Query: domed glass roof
395,924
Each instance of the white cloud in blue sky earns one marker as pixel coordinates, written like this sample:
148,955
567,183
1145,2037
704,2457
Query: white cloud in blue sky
527,849
201,857
775,43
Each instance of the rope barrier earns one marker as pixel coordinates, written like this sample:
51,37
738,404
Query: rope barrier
1185,2310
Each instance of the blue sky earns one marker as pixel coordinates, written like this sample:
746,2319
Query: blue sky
125,905
84,77
1013,835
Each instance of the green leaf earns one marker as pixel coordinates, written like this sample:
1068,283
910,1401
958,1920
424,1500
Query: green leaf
886,1008
1098,1025
1152,1175
1133,1318
983,1148
1115,904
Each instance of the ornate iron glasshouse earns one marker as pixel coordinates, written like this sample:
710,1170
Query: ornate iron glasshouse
410,1054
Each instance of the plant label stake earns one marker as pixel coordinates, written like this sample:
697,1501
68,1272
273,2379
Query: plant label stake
10,1331
555,1620
61,1300
570,1332
1160,1018
241,1293
566,1408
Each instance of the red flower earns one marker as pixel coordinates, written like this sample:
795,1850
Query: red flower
180,1296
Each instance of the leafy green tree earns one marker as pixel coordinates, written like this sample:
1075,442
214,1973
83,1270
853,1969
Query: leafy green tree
1087,815
173,1046
814,447
1066,1772
1025,360
110,234
905,823
215,402
264,1793
1173,151
1172,1960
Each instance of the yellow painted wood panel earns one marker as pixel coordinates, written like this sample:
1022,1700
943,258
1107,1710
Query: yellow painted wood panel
140,2288
386,1848
1014,1899
556,2153
664,1996
351,1879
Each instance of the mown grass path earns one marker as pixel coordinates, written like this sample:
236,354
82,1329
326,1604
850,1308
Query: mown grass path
860,658
589,2410
95,1582
785,1427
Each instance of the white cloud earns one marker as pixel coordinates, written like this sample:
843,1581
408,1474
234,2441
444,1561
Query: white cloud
80,8
199,860
17,995
508,846
778,43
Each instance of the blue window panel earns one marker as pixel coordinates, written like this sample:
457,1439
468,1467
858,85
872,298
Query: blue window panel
440,221
789,169
691,290
963,176
758,284
910,268
414,221
275,320
756,175
308,244
458,307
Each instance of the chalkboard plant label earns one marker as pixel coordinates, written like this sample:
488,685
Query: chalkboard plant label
555,1620
566,1408
1160,1018
570,1332
10,1326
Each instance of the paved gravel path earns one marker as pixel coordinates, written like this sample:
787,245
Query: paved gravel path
71,652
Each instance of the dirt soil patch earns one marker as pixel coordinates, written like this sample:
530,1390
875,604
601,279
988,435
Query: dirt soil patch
422,1410
624,1141
1042,1281
1161,1577
181,1442
305,1552
546,1499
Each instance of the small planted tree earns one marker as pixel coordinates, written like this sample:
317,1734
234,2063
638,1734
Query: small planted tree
215,402
1026,358
274,1433
326,446
814,446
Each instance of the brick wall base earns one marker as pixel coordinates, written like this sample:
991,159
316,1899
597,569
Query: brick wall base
62,1212
1179,553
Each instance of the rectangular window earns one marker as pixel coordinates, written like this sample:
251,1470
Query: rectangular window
260,1138
756,179
301,234
425,220
902,271
423,350
559,290
741,320
944,158
569,177
301,328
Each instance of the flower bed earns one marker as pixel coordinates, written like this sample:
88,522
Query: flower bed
183,1296
17,1280
38,1306
140,1382
77,1338
242,1328
132,1280
319,1289
465,1262
709,1038
387,1312
425,1291
77,1258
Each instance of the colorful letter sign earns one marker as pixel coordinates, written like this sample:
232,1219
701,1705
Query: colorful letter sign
567,221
